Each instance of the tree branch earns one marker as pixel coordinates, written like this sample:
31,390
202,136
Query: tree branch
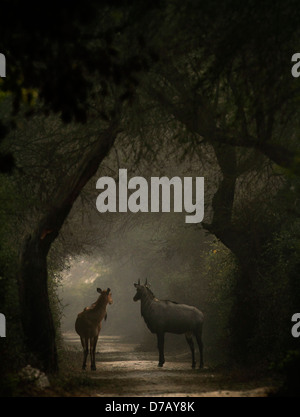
200,120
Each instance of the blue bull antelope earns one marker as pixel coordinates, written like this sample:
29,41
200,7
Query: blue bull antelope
164,316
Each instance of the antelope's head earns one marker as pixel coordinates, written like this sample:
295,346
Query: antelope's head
140,289
106,295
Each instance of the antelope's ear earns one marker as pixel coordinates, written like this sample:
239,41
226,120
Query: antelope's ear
108,291
135,285
99,290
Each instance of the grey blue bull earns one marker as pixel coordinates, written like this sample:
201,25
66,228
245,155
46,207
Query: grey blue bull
164,316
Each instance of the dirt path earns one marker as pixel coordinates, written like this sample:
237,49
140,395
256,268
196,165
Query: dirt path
124,370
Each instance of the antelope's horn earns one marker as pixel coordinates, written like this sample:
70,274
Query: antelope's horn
139,282
146,281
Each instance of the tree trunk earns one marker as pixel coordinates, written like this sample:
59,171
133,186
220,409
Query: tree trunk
244,315
37,321
242,320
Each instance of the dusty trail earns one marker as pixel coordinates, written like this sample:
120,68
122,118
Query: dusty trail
124,370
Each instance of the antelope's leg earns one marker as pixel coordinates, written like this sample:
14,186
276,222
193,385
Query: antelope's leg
198,335
85,346
160,345
93,351
189,339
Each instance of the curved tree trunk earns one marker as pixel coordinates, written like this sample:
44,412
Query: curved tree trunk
243,314
37,321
